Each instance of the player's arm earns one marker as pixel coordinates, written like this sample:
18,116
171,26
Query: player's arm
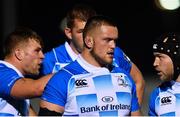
139,81
136,113
28,88
31,111
50,109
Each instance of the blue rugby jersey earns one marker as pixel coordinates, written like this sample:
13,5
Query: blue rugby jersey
57,58
85,90
8,105
165,100
63,55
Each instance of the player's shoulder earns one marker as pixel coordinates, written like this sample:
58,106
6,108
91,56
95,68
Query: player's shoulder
74,67
118,49
58,48
118,52
165,86
155,92
68,71
5,67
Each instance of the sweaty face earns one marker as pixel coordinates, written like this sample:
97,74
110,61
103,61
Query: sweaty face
32,58
104,42
164,66
76,35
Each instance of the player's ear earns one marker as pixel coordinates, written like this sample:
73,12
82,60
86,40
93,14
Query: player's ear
68,32
89,41
19,54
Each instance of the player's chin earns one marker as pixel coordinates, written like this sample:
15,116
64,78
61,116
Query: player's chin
109,60
36,71
163,78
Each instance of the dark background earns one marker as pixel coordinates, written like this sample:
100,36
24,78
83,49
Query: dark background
140,22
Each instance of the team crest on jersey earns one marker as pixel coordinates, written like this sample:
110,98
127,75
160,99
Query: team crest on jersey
121,80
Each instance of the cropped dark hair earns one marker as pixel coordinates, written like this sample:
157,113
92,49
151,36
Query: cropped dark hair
97,21
79,11
19,36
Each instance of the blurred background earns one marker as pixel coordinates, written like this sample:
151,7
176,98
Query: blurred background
140,22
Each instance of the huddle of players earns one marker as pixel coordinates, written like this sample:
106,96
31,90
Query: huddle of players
87,75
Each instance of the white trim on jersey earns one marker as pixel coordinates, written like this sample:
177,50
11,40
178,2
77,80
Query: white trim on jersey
11,66
90,67
71,53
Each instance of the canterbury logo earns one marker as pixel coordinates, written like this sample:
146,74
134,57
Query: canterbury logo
165,100
81,83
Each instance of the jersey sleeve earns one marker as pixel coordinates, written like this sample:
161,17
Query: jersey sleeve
122,60
7,79
151,111
56,90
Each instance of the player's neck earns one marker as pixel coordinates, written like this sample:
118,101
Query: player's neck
87,56
74,49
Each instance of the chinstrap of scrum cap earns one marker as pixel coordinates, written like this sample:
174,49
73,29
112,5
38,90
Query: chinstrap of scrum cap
169,43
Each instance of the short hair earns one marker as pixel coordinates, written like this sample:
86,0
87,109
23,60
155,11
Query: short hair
79,11
97,21
19,36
